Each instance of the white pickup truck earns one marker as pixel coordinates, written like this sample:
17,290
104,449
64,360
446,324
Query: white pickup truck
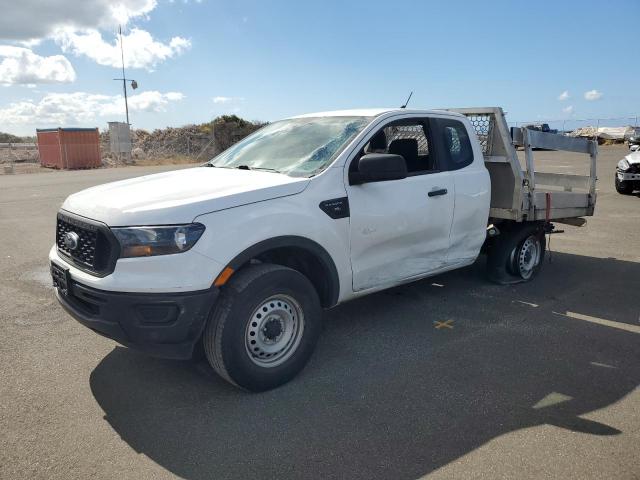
239,256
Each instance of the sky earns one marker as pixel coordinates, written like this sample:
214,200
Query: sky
194,60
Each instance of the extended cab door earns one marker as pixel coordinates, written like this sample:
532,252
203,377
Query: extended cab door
399,229
461,154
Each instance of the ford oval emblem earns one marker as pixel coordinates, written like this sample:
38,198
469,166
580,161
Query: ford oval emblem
71,240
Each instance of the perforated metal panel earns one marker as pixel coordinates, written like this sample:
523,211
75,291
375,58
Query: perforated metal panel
483,126
453,140
408,131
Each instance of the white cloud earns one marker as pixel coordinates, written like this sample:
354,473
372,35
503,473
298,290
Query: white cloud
568,109
33,19
77,26
563,96
32,42
174,96
592,95
228,104
20,66
224,100
153,101
61,109
140,49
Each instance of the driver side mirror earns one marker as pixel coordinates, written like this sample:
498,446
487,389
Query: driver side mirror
379,167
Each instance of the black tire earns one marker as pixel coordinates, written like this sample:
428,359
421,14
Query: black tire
622,187
226,337
510,251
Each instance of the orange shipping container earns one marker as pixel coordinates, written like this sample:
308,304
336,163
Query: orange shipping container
69,148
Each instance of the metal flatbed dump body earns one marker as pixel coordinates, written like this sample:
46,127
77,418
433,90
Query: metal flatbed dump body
524,194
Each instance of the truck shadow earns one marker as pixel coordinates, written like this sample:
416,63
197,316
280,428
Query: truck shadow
387,395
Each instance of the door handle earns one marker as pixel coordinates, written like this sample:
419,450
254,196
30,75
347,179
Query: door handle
438,191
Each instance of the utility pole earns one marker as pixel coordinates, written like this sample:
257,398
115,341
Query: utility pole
124,79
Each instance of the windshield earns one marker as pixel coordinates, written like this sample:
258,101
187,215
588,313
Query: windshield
300,147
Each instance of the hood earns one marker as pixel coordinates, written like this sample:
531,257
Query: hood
633,158
179,196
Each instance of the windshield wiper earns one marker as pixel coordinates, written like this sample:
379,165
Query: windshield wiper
242,167
247,167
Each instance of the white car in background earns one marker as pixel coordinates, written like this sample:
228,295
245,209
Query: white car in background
628,174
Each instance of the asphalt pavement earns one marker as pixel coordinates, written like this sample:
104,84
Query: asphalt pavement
449,377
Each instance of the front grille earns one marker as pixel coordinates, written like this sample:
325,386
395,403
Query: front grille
634,168
85,251
93,248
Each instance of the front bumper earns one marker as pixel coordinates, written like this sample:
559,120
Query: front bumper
166,325
182,272
628,177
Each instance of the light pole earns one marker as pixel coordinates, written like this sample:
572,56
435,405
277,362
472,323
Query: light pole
124,79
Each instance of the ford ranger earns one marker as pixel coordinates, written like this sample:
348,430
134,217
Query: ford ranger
239,257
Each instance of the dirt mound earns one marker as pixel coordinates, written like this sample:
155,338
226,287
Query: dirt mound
195,142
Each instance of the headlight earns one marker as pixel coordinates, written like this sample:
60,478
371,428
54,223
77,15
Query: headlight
623,164
163,240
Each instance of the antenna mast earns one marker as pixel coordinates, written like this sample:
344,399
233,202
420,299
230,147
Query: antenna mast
405,103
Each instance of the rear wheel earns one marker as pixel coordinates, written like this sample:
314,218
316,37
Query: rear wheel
625,188
517,254
525,257
264,328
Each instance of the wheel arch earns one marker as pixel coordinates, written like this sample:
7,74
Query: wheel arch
301,254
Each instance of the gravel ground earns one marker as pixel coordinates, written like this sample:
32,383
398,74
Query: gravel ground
538,380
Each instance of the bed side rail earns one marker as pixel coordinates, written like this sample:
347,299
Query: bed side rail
531,139
552,141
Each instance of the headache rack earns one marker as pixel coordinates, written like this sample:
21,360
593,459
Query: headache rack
524,194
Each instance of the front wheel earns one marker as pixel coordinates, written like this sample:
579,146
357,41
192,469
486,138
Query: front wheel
264,328
625,188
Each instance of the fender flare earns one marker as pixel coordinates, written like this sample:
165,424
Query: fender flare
317,250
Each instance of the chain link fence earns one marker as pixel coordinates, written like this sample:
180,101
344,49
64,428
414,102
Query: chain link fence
149,150
188,144
192,143
19,153
199,143
572,124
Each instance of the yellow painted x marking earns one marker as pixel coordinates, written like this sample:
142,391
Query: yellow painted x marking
446,324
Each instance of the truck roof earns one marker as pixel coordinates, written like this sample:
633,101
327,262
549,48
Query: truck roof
373,112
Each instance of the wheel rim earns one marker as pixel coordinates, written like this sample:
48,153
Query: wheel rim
274,331
528,257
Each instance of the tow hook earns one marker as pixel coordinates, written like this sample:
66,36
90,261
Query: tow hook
492,231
